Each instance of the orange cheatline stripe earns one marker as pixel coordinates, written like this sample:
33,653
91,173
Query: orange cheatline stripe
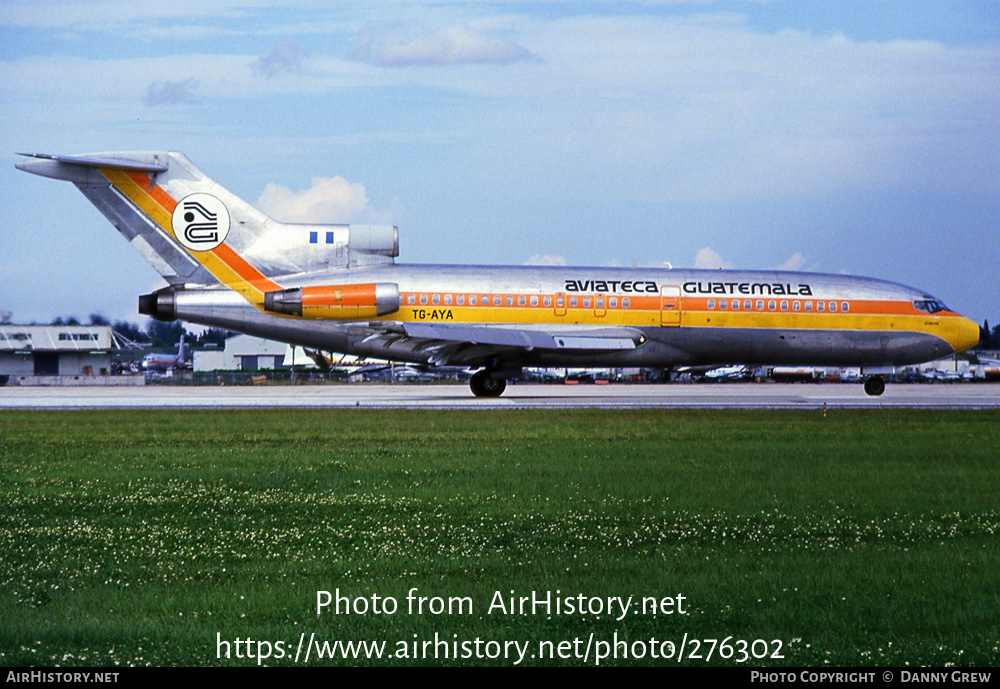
863,315
239,264
856,306
156,193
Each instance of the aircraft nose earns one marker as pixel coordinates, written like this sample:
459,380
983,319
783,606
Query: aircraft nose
966,335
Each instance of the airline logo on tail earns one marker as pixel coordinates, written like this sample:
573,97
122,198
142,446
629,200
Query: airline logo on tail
200,222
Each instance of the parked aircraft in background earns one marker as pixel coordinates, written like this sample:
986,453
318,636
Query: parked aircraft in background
713,371
337,288
166,362
546,375
727,373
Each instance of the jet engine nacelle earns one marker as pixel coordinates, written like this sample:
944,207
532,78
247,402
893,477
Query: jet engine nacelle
374,239
335,302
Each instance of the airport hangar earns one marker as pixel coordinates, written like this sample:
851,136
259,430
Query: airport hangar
32,354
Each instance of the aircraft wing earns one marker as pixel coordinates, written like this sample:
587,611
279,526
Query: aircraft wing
465,344
587,339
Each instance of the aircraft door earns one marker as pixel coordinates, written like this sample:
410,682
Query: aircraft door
670,305
560,304
600,305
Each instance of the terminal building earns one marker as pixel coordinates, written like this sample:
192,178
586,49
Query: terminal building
55,354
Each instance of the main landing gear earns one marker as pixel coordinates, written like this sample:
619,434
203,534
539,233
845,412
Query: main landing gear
483,384
874,386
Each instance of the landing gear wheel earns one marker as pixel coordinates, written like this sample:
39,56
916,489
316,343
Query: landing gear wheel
874,386
484,385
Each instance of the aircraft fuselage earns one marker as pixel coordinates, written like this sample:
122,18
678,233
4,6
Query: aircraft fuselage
686,317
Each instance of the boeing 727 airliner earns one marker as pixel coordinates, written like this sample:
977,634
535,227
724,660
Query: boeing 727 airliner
337,288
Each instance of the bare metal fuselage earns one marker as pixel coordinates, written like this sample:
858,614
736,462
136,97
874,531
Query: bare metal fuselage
781,332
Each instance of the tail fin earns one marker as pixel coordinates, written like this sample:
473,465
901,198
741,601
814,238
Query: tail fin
193,231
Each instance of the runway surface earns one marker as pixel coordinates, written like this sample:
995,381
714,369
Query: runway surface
433,396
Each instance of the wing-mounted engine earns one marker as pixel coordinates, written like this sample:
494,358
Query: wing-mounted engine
335,302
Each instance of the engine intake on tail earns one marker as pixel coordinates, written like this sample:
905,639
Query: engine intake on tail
336,302
374,239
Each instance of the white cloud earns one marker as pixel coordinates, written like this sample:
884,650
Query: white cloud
707,108
680,109
709,259
545,260
286,57
798,262
795,262
171,93
450,45
99,15
328,200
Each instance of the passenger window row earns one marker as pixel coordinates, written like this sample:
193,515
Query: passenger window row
775,305
560,301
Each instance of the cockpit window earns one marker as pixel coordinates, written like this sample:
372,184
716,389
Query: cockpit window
929,305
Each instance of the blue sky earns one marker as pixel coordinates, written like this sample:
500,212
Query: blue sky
840,137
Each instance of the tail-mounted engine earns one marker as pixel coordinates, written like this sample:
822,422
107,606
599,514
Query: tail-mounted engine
335,302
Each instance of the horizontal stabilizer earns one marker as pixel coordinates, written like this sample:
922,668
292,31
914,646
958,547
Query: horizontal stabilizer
153,165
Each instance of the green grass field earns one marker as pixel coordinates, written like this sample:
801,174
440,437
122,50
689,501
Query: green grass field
863,538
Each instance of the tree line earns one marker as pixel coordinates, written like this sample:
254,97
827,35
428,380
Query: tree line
156,334
989,338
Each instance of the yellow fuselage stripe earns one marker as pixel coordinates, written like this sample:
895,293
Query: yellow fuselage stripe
944,325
